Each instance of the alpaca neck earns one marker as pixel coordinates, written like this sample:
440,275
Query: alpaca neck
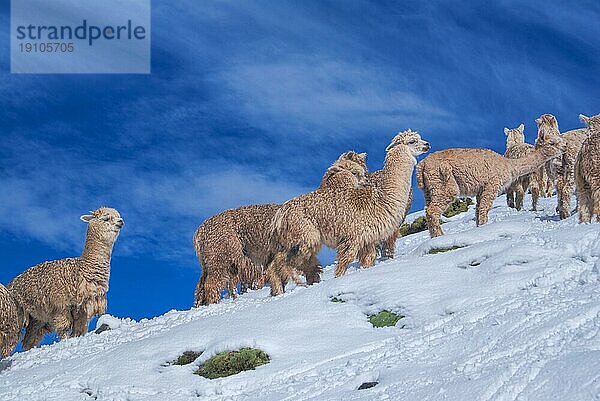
95,260
528,163
396,175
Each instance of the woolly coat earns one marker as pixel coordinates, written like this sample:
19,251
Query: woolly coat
10,330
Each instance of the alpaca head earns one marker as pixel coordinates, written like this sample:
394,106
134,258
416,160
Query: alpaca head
593,123
514,136
549,140
411,141
352,164
104,224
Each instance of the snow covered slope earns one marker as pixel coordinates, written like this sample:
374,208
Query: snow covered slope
514,314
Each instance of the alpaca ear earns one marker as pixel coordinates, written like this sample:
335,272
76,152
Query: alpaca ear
506,131
334,169
584,119
538,121
86,218
521,128
363,156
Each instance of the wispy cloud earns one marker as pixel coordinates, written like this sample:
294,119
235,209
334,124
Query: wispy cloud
250,101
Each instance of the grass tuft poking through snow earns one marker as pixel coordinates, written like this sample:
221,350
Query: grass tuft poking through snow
385,318
458,206
187,357
232,362
420,224
337,300
434,251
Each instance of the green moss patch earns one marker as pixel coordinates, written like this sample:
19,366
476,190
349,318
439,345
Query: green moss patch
186,358
458,206
385,318
232,362
420,224
434,251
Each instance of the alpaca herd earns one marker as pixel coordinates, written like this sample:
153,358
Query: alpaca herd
354,212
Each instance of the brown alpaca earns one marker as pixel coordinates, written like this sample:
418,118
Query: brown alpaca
10,329
63,295
565,170
450,173
347,219
233,245
516,148
587,172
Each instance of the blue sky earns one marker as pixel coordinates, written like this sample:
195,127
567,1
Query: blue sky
249,102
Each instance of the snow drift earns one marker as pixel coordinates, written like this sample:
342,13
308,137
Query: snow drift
514,313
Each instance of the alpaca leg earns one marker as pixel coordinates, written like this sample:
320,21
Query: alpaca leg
6,349
484,204
433,213
595,201
212,290
313,271
63,322
519,194
100,306
80,322
564,185
367,255
199,293
584,204
346,253
390,244
510,196
34,333
276,274
535,196
232,288
534,186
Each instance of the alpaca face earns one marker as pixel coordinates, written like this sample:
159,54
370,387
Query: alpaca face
515,136
410,139
549,137
593,123
105,223
547,126
353,163
358,158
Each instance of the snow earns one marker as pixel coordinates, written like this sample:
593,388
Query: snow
513,315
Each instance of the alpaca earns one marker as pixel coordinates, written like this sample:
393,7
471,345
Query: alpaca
565,170
10,331
63,295
587,172
233,246
230,246
347,219
445,175
387,248
515,149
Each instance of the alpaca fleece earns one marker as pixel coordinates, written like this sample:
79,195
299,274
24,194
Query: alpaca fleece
450,173
517,148
345,219
10,330
63,295
233,245
565,170
587,172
